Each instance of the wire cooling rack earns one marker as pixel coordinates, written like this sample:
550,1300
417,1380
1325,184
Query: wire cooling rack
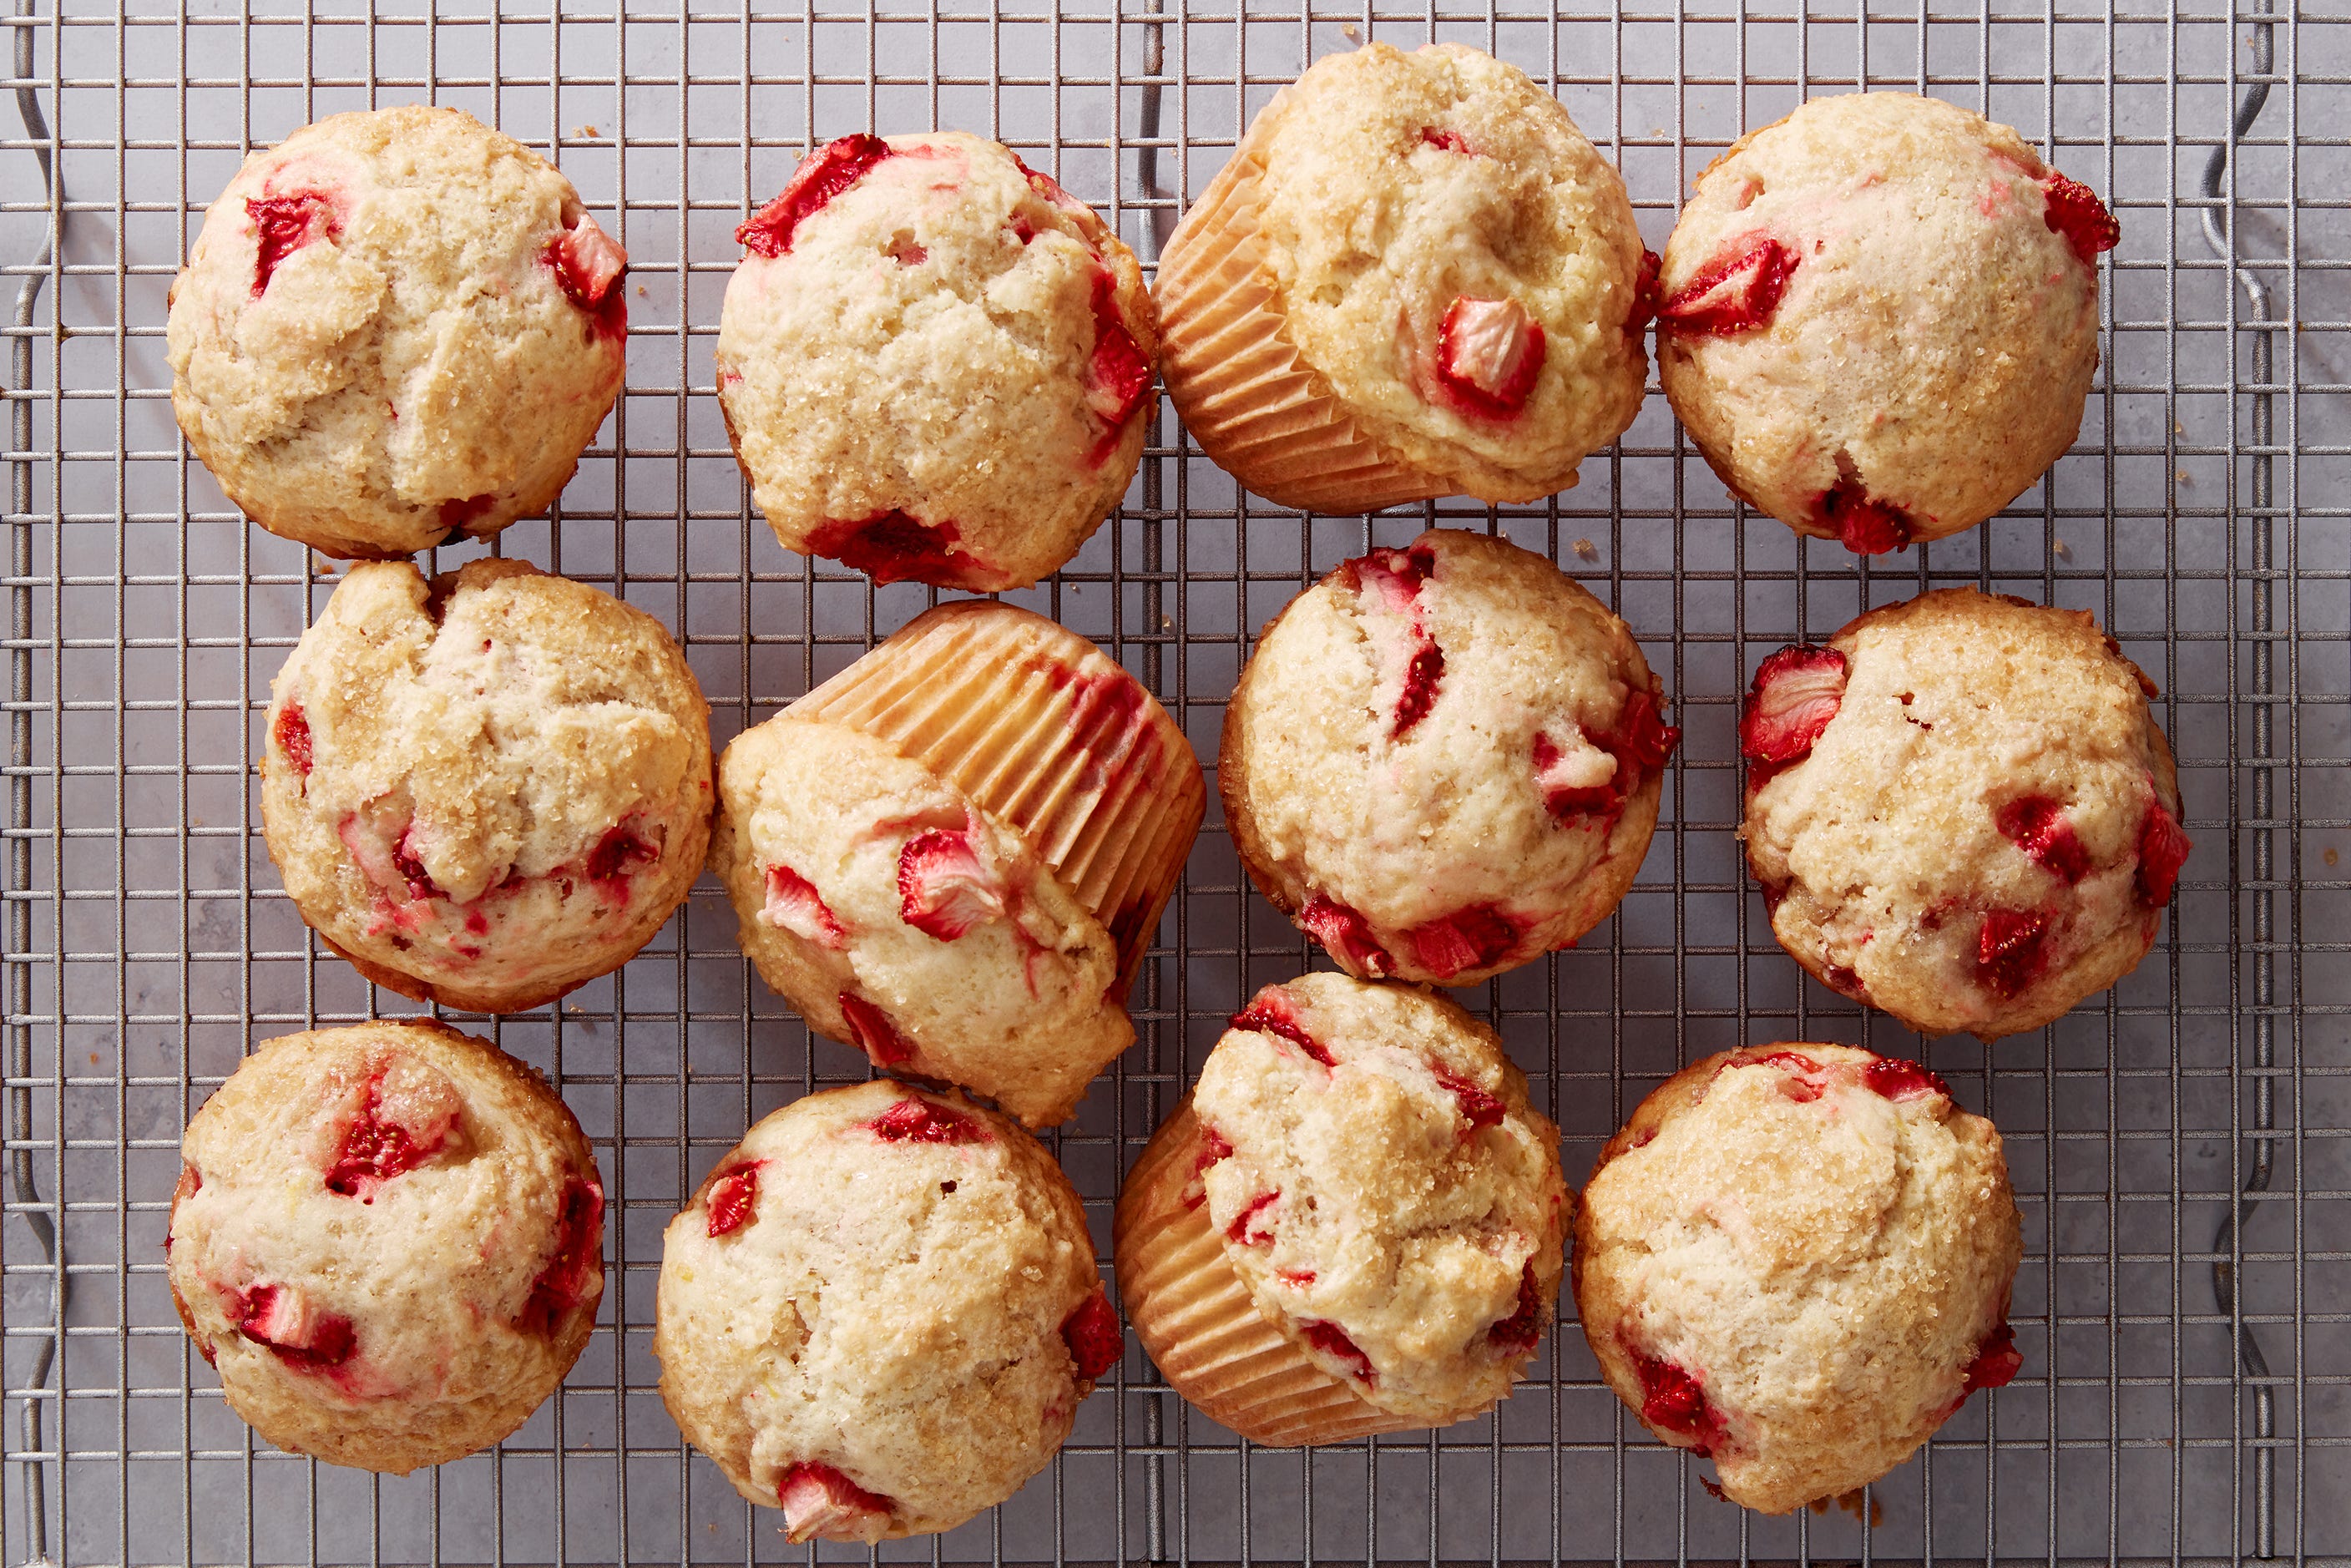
2178,1145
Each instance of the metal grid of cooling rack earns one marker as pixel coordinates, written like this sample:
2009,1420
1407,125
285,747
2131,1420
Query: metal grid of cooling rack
2187,1390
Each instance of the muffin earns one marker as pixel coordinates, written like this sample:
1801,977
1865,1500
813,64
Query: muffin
396,326
880,1311
1961,811
388,1241
487,788
1880,317
952,854
1351,1224
1443,761
897,287
1415,278
1796,1259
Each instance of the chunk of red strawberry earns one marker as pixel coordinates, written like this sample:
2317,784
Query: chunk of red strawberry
292,733
620,852
2011,950
1391,578
1421,676
1091,1332
1275,1011
1644,295
733,1197
294,1327
1997,1362
1213,1148
1346,935
1490,354
895,547
1640,745
823,176
1641,736
562,1286
1735,292
1519,1333
1478,1107
1802,1079
587,264
2162,850
915,1121
285,225
942,889
406,1115
1797,692
1118,374
871,1030
1673,1406
820,1503
407,858
460,514
1477,937
1332,1340
1444,141
2074,212
1252,1227
1861,523
1897,1078
2039,826
794,905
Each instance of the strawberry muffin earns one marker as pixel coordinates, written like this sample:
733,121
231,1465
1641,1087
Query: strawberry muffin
1961,811
1353,1225
395,327
486,789
880,1311
895,289
1796,1259
1443,761
1880,317
388,1241
954,854
1415,278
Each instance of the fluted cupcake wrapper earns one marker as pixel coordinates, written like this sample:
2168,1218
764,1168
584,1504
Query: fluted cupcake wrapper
1047,735
1194,1315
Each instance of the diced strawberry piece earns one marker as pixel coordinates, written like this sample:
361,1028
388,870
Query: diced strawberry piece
733,1197
1346,936
1797,692
620,853
562,1285
1332,1340
1735,292
1472,938
1394,577
1864,524
2011,950
871,1032
1897,1078
1644,295
942,889
461,514
1420,682
820,1503
1050,188
795,905
893,546
410,863
286,224
2039,826
1118,376
588,263
823,176
294,1328
1213,1148
1300,1277
1274,1011
1641,736
1674,1404
2162,850
1802,1079
1640,743
1091,1332
1997,1362
292,733
1478,1108
1489,353
394,1133
1521,1332
2074,210
1844,982
913,1121
1447,141
1244,1232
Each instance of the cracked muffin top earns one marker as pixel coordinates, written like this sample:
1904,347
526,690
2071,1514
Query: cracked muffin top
880,1311
1797,1258
896,286
396,326
1879,318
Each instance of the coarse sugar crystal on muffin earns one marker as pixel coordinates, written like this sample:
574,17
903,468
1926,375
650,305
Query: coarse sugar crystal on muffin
387,1240
880,1311
486,789
1444,760
1415,277
935,363
1961,811
396,326
1797,1259
1879,318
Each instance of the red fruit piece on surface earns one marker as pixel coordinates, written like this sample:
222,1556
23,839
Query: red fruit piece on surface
2039,826
1640,743
1345,935
1478,1108
1674,1404
1644,295
285,225
2011,950
588,265
1421,676
1735,292
871,1030
825,173
943,890
912,1121
1996,1361
620,853
1244,1232
1802,1080
895,547
1897,1078
733,1197
820,1503
405,1117
409,861
294,1328
2074,212
1861,523
1446,141
1118,375
1274,1011
1797,692
1489,353
1091,1332
292,733
1389,581
1213,1147
2162,850
1473,938
562,1285
795,905
1332,1340
1522,1329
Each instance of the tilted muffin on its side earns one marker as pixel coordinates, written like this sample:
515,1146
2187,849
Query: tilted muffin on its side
1796,1259
388,1241
898,287
1444,760
1880,317
1353,1225
396,326
1415,278
1961,811
953,855
880,1311
488,789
